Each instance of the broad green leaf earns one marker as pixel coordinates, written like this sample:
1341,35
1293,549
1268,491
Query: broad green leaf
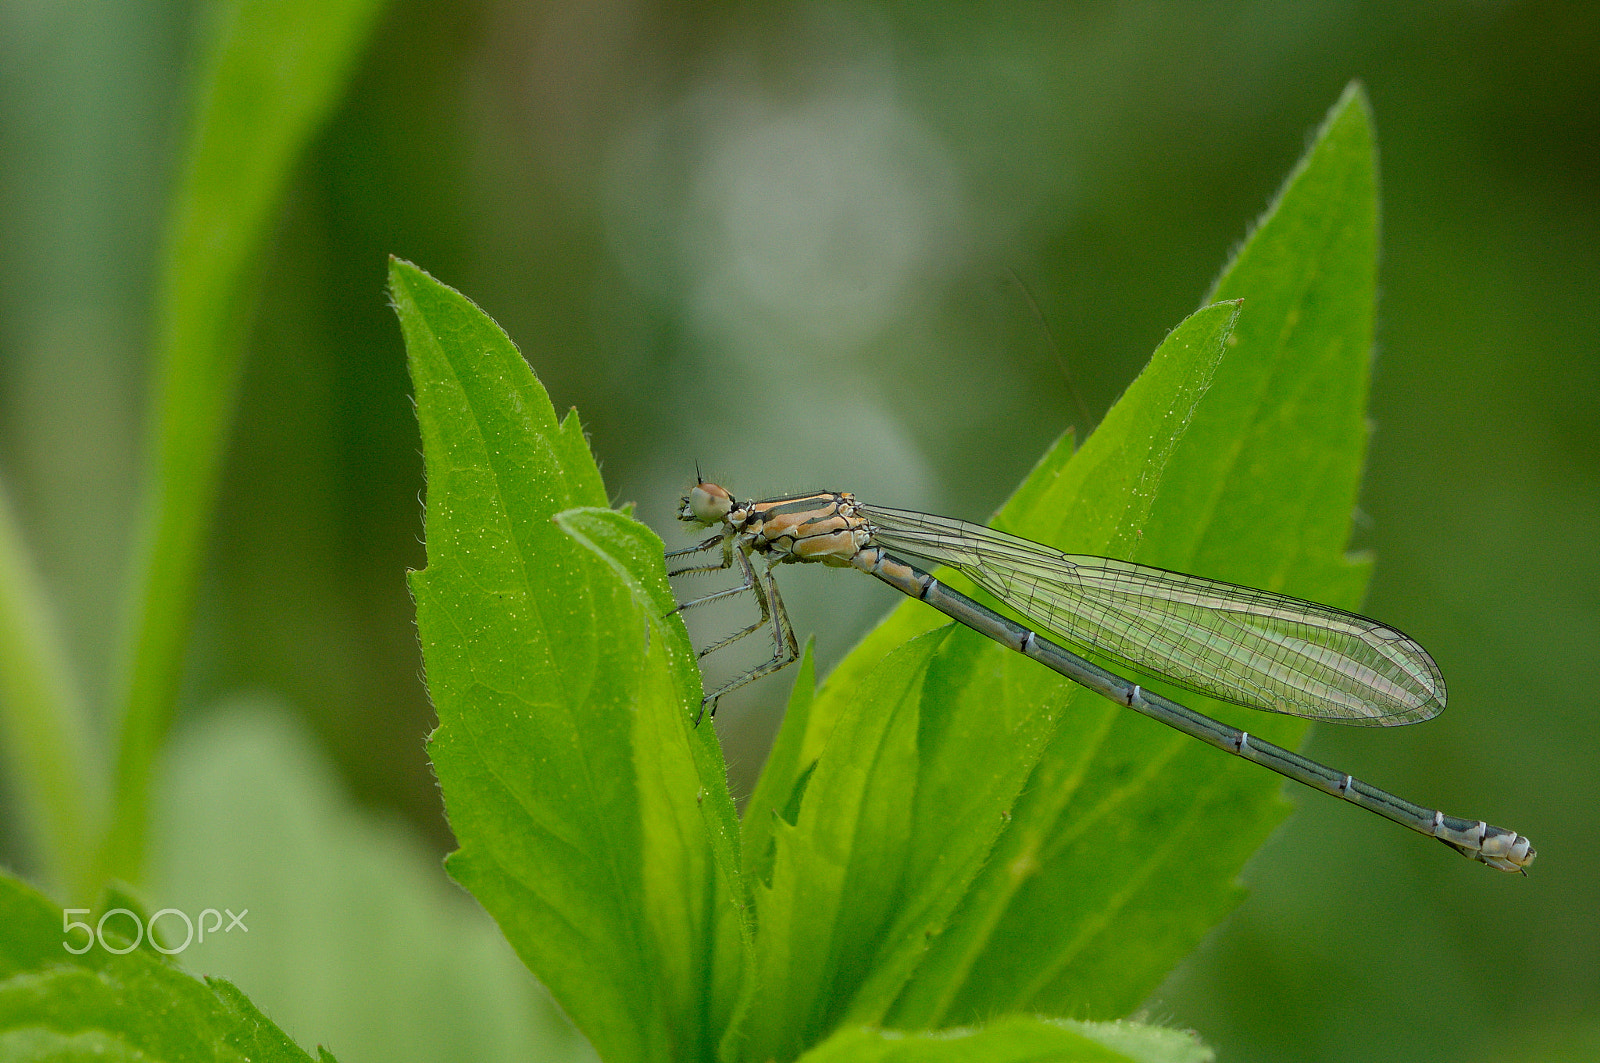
1014,1039
1123,848
104,1005
593,817
273,70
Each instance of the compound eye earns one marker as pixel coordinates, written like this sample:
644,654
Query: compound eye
706,504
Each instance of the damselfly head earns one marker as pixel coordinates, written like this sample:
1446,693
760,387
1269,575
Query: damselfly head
705,504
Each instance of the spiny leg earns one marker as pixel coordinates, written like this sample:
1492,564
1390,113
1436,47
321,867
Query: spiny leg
765,588
750,584
726,562
782,630
720,539
785,648
714,596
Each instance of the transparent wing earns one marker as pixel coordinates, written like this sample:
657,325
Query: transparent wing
1251,647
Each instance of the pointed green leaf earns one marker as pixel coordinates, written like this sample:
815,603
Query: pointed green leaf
1122,850
984,714
997,711
837,870
591,823
781,774
636,555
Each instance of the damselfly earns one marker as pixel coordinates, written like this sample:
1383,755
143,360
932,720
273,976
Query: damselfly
1251,647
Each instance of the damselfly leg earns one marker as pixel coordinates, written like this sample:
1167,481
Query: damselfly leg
764,588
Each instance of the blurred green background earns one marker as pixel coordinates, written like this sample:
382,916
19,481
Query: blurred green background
795,243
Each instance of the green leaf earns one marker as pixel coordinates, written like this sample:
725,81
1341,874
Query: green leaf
635,554
836,872
1123,847
593,817
983,715
273,71
1014,1039
105,1005
775,793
